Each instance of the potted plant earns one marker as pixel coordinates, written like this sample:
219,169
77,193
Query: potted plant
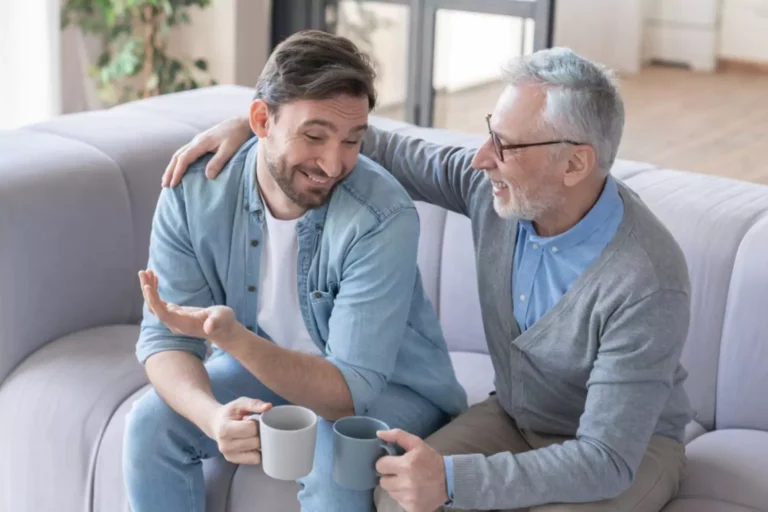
134,62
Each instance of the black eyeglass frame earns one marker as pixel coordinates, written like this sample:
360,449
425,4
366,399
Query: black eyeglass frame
500,148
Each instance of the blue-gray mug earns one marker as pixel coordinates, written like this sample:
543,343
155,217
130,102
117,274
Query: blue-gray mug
356,450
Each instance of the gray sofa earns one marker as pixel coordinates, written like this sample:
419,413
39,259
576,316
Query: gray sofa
77,195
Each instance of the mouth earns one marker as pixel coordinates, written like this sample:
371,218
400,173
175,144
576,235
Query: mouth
499,187
314,178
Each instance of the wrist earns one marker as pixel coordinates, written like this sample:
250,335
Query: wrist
206,420
231,336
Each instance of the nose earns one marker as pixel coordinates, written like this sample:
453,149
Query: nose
485,157
331,162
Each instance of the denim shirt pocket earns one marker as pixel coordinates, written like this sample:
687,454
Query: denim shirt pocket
322,304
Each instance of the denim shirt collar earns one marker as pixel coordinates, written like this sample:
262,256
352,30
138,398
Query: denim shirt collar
255,204
607,205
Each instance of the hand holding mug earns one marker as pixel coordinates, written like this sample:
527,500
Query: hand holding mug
237,436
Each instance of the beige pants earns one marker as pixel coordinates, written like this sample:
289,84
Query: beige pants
486,428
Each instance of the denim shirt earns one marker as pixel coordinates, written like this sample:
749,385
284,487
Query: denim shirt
359,287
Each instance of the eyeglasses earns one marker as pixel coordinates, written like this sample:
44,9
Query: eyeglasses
500,148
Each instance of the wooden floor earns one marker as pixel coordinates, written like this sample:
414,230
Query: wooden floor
709,123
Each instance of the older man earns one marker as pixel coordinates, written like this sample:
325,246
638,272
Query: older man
585,304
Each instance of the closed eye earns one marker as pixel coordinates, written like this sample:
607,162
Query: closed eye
352,142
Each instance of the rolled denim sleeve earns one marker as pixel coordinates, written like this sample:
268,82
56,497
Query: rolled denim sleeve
371,308
180,278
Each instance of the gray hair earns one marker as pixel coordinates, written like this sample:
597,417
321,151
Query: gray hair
583,102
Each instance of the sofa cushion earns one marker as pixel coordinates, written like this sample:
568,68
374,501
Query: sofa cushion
432,220
108,488
459,300
728,466
141,160
743,369
475,373
708,216
253,491
56,406
65,242
704,505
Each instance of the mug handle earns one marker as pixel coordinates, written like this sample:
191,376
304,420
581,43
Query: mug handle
388,449
255,417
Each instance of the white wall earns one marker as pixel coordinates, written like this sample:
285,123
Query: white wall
607,31
29,64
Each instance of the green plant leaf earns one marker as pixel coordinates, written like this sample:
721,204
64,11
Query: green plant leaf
201,64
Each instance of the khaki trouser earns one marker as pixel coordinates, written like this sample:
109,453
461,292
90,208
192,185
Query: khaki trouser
486,428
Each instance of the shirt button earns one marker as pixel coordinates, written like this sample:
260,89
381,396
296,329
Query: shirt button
254,243
535,246
555,249
251,288
522,298
318,295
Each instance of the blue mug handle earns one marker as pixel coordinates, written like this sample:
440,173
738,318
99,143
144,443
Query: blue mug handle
388,449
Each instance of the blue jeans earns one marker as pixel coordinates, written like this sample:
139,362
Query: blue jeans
162,451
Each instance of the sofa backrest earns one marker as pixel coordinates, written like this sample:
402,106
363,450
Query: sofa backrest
77,195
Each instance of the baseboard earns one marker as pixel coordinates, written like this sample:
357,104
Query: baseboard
747,66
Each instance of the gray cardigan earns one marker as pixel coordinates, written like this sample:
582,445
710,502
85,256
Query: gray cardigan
602,365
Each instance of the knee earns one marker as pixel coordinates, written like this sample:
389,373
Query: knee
146,422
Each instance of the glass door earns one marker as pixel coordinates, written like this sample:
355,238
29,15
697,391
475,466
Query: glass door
439,62
466,45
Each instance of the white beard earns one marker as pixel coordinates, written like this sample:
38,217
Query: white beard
520,207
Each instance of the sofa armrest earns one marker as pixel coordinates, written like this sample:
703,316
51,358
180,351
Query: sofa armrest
66,242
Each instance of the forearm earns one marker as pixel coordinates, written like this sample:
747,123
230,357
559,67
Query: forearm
575,472
302,379
429,172
182,382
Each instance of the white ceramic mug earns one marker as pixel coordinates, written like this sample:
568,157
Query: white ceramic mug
288,434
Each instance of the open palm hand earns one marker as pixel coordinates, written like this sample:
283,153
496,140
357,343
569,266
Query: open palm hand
216,323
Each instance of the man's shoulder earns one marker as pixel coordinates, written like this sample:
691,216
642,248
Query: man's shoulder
373,190
197,187
651,255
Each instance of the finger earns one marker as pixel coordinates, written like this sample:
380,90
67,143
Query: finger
166,181
240,429
217,162
389,465
152,297
391,484
253,457
234,446
406,441
244,406
197,148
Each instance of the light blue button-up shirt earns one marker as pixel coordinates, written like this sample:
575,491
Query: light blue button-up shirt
359,288
544,268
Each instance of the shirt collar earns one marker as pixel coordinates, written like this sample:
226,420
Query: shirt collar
608,204
255,204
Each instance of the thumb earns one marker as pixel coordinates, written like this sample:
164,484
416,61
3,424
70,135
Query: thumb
215,318
405,440
250,405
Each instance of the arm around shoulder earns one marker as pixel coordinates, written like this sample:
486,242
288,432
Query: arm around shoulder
436,174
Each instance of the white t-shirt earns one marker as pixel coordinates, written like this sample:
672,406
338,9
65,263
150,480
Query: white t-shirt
279,314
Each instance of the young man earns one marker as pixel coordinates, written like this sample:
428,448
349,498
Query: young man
299,266
586,325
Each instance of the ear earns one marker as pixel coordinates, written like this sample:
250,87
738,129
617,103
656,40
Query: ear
580,165
259,118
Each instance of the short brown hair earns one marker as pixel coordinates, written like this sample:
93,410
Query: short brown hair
315,65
